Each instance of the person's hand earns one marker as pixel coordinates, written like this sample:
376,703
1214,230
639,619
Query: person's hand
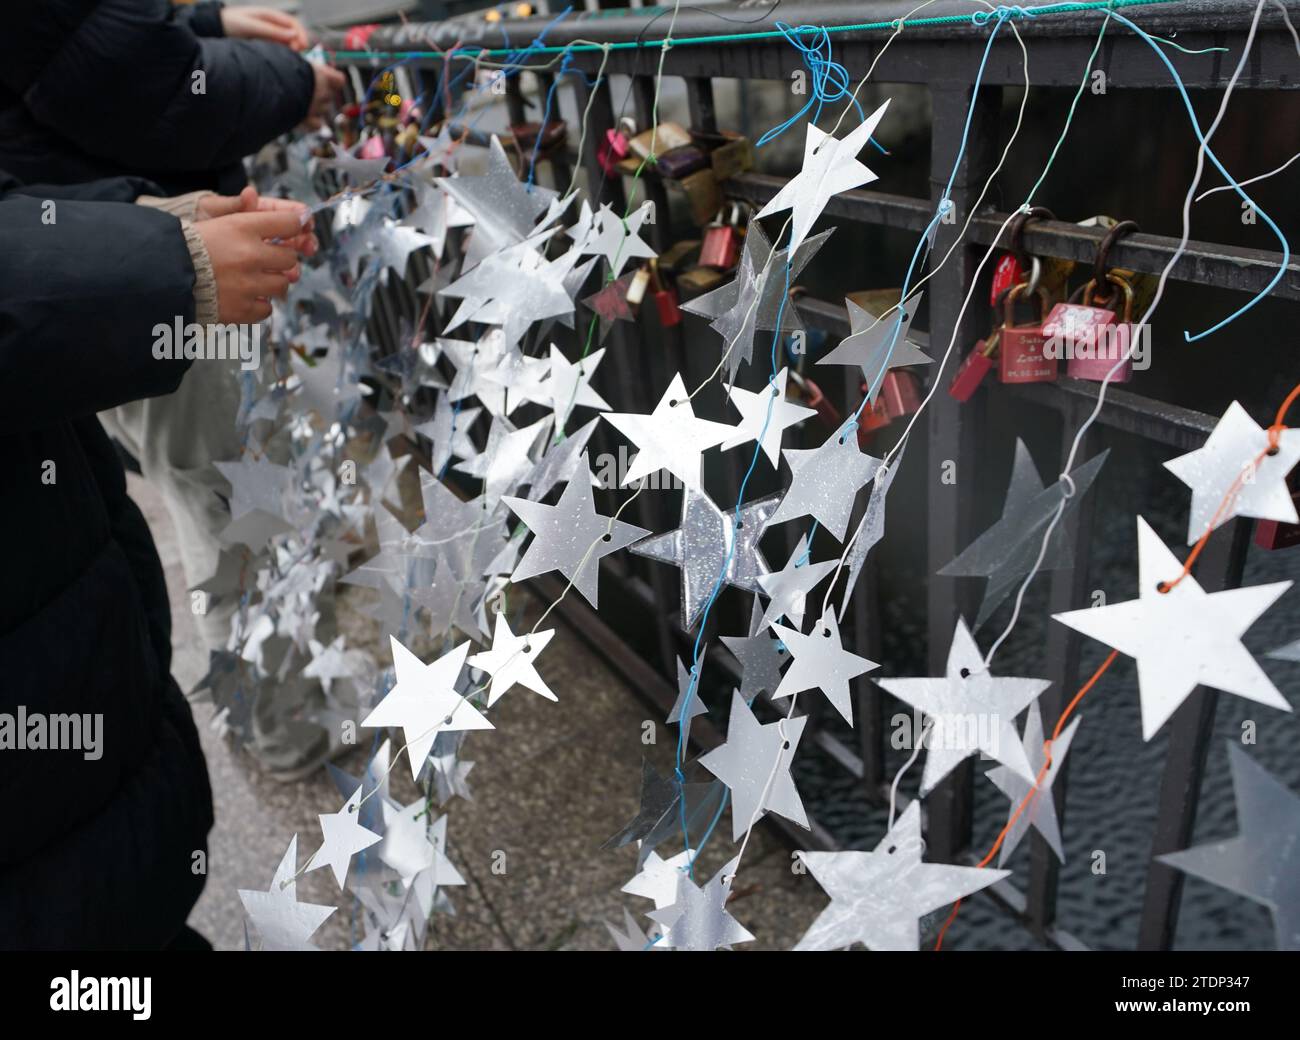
248,201
264,23
248,267
326,92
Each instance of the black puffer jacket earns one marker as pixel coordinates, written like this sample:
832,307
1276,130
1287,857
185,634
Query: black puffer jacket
93,854
96,88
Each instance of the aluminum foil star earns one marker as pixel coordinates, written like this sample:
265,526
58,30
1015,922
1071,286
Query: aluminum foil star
632,939
1040,811
344,838
878,898
510,661
561,462
670,437
820,662
686,688
1262,862
765,416
830,166
825,481
1009,550
698,918
616,239
745,764
787,589
757,298
1182,637
871,528
1227,462
710,546
570,385
657,878
571,536
971,711
424,702
760,655
449,431
877,346
281,921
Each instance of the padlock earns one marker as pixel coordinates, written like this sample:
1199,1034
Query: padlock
977,364
700,280
659,140
637,287
681,162
722,241
899,396
679,256
703,196
730,157
615,147
665,298
1020,350
810,395
1090,336
553,135
1006,273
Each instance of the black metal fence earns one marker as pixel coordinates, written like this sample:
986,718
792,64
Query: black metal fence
638,628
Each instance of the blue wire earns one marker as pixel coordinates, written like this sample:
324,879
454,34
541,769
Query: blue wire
830,79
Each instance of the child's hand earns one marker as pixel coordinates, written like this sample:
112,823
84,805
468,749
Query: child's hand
248,201
248,268
264,23
325,94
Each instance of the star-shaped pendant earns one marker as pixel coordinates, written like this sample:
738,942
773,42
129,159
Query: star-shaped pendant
825,481
1040,812
424,702
686,687
787,589
282,922
760,655
878,898
510,661
698,919
1182,637
871,528
765,416
875,346
753,753
710,546
820,662
670,437
1228,458
970,710
616,239
830,166
570,385
571,536
344,838
1262,862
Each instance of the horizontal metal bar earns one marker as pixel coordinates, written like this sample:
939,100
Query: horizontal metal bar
1204,263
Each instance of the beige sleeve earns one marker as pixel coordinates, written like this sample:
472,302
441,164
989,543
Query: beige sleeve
184,206
205,280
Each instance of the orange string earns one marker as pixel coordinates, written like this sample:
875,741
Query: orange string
1274,435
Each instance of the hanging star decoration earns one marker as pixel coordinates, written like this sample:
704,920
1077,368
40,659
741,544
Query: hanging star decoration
712,547
688,699
1237,472
510,661
1262,862
1009,550
760,655
670,437
824,482
787,589
829,167
1181,635
765,416
754,763
698,919
344,838
1040,811
424,702
571,536
877,345
279,919
878,898
818,661
971,711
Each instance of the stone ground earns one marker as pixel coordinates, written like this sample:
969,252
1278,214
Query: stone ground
549,786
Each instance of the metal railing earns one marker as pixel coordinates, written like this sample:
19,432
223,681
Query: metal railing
638,629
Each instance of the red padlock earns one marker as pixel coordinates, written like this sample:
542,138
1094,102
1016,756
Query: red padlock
1006,273
899,395
1020,351
977,364
615,147
722,241
812,397
1090,336
665,298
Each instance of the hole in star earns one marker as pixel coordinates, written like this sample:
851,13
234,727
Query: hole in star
1162,587
965,673
528,648
606,537
892,849
1272,451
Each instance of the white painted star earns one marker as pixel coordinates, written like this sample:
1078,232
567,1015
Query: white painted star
570,385
670,437
424,702
1183,637
510,661
765,415
824,482
282,922
820,662
344,838
1227,457
787,589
